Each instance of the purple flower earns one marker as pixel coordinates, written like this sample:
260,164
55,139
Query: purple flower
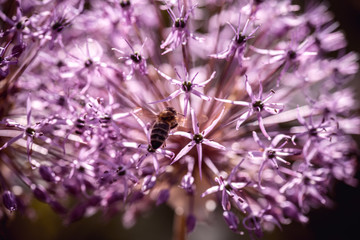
179,31
198,139
307,182
273,153
288,57
238,43
19,24
314,134
135,60
6,61
232,221
29,131
228,188
187,87
89,128
257,104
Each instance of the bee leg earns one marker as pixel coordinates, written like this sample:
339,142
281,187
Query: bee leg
174,126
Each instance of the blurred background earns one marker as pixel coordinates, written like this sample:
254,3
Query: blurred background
340,222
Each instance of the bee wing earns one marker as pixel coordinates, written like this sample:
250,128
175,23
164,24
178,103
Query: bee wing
146,113
181,119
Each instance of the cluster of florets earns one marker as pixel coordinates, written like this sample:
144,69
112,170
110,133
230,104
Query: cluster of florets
263,136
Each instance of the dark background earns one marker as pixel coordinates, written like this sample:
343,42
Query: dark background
340,222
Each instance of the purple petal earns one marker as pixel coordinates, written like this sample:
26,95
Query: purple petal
28,110
241,103
170,97
213,144
258,141
142,124
184,151
207,81
262,127
225,203
243,118
210,190
194,121
173,81
214,123
199,151
200,95
11,141
184,134
248,88
192,80
274,108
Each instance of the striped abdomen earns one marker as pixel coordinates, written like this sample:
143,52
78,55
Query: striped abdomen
159,133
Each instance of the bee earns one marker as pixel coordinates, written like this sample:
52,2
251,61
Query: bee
166,120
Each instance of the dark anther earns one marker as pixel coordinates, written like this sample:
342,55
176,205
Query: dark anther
240,39
20,25
80,123
258,105
125,3
61,101
186,86
58,26
136,57
313,132
180,23
271,154
88,63
292,54
198,138
120,171
258,1
30,131
60,64
228,187
105,119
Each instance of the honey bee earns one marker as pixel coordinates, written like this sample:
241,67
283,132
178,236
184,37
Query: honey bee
166,120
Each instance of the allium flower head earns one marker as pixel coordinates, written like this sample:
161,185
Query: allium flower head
107,106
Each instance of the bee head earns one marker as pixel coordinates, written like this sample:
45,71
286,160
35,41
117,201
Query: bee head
171,110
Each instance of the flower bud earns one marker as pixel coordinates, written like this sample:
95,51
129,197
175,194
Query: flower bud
187,182
46,173
163,197
231,220
190,223
149,182
78,212
40,193
9,201
57,207
115,196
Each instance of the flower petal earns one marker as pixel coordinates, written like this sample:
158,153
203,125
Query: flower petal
213,144
184,151
214,123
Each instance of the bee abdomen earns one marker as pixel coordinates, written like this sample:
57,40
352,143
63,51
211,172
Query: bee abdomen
159,133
